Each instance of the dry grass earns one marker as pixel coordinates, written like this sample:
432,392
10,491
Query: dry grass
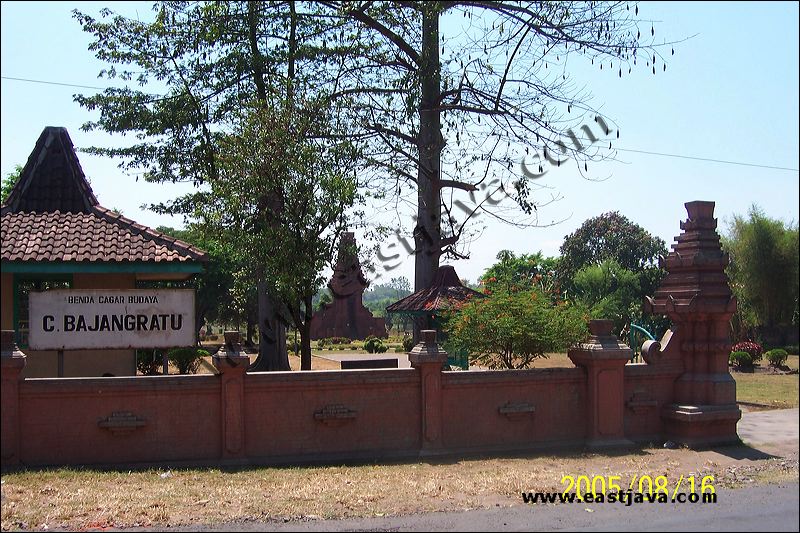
76,499
554,360
317,363
773,390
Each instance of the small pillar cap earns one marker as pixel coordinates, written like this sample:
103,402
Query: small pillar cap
427,351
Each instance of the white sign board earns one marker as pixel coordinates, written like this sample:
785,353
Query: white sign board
108,319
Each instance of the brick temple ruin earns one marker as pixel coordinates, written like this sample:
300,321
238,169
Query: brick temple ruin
346,316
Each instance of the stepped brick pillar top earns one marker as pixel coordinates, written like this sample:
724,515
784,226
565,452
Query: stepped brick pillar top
232,365
696,296
603,357
13,361
427,357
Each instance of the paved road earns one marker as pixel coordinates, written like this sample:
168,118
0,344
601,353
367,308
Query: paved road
764,508
770,427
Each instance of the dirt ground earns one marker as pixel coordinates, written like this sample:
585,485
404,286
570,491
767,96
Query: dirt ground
91,499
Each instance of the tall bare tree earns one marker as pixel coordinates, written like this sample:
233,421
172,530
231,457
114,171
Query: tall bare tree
446,97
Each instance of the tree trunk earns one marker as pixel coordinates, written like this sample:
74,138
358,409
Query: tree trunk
199,320
251,330
272,352
305,336
427,232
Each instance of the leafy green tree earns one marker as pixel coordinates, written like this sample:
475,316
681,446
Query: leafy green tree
270,154
396,289
208,61
520,273
378,297
401,286
609,292
323,297
513,329
612,236
427,117
764,274
215,299
9,181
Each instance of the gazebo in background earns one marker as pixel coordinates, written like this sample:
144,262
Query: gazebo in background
425,307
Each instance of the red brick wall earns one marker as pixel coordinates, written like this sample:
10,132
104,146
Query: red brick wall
473,401
648,389
384,407
59,419
311,416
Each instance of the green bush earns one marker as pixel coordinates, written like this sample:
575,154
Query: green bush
408,343
186,360
149,362
373,344
512,329
777,357
330,341
399,349
740,359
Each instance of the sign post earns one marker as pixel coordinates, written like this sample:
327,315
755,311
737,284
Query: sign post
111,319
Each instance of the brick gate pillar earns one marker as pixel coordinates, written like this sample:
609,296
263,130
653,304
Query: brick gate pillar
13,361
603,357
696,296
428,359
232,365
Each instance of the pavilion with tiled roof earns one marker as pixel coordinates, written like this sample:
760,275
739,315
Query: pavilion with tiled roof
425,306
55,234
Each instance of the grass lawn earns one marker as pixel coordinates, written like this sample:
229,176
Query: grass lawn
768,389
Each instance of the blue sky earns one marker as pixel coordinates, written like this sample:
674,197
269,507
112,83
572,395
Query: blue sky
729,93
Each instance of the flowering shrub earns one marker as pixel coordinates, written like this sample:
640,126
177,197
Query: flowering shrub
753,348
